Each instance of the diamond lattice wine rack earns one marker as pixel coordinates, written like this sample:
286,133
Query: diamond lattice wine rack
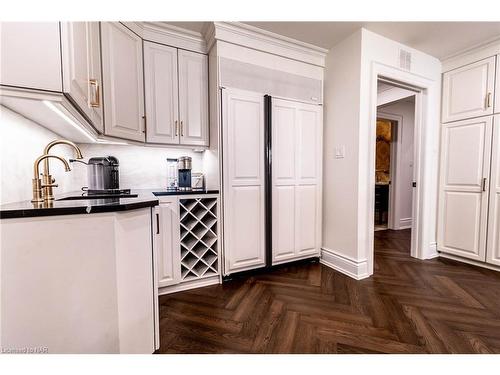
199,256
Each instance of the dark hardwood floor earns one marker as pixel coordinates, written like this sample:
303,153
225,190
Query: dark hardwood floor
408,306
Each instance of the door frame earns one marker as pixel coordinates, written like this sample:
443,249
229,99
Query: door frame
397,122
425,172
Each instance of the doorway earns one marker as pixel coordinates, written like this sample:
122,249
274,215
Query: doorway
394,160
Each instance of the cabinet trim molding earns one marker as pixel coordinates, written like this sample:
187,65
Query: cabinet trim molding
266,41
170,35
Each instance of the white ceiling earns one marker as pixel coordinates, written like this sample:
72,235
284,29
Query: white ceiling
439,39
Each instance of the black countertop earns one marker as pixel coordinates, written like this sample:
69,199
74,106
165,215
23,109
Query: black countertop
144,198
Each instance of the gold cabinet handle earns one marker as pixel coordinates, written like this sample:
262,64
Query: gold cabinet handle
182,129
96,103
488,100
176,128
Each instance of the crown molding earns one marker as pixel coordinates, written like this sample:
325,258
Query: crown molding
472,54
266,41
164,33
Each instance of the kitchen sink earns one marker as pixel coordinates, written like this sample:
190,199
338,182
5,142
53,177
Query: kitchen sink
97,196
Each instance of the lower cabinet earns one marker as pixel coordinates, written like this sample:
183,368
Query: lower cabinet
79,283
186,238
493,241
469,195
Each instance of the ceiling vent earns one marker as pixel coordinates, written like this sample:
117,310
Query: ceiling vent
404,59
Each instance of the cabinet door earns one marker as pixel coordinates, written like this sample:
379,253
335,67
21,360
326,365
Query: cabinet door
30,55
468,91
296,190
161,93
496,109
122,82
82,68
168,242
243,184
493,247
463,200
193,98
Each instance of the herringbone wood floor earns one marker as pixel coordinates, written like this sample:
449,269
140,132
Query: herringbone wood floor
408,306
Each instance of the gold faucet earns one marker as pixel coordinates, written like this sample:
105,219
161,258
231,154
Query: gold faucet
37,184
47,180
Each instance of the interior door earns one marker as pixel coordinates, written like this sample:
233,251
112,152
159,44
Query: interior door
122,82
463,199
193,98
161,93
243,180
82,68
493,246
468,91
296,180
168,242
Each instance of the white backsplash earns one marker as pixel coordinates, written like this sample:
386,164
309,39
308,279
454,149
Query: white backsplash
141,167
22,141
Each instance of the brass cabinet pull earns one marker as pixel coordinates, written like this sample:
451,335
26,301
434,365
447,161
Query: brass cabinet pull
176,128
488,100
96,103
182,129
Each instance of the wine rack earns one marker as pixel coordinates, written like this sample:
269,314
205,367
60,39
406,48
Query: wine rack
198,238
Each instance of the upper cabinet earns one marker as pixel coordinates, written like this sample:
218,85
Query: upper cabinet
81,69
161,93
468,91
176,93
30,55
123,88
193,98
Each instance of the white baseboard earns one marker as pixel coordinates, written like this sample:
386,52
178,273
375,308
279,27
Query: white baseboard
356,269
405,223
432,251
469,261
189,285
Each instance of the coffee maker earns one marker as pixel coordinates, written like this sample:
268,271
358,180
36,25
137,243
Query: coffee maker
184,171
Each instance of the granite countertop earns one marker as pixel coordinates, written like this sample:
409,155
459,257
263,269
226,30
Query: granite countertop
144,198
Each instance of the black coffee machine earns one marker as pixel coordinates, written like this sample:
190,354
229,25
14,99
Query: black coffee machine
184,171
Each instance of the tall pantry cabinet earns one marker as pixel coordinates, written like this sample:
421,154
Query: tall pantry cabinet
469,209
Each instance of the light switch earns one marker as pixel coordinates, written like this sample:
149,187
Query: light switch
339,152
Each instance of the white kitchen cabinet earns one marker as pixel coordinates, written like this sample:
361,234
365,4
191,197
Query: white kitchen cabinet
81,51
30,55
193,98
463,192
243,180
296,180
496,109
123,89
168,242
468,91
493,243
161,93
86,283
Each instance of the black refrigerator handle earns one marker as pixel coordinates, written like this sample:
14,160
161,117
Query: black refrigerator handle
268,177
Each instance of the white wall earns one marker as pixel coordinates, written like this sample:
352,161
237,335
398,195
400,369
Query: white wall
350,111
23,140
402,207
341,114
